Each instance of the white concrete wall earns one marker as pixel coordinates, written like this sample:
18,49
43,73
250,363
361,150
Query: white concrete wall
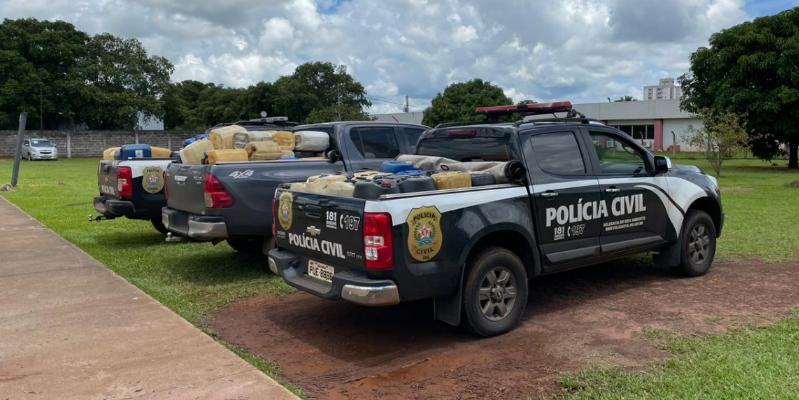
682,129
629,110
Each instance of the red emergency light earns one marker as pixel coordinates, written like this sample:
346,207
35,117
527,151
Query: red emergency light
526,109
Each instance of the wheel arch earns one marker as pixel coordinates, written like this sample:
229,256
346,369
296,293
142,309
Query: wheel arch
712,207
509,237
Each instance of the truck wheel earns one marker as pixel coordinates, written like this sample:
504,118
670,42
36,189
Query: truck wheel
698,244
158,224
495,292
247,244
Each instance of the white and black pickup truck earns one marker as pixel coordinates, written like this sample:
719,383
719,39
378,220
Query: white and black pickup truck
132,188
586,193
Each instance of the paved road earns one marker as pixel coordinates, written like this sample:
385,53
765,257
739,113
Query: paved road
71,328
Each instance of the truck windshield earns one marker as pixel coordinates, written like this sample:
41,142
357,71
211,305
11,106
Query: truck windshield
41,143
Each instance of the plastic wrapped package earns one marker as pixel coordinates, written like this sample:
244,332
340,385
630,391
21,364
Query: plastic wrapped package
194,153
299,187
283,139
135,151
311,141
161,152
260,136
265,150
452,180
366,175
340,188
226,155
320,183
482,178
240,139
412,184
222,138
394,166
109,153
371,190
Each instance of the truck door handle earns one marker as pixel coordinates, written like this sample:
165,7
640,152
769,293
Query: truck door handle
549,194
613,189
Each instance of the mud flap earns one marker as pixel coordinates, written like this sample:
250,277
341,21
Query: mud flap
448,308
668,257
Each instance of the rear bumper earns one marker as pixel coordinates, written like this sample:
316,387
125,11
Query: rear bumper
202,228
346,285
114,208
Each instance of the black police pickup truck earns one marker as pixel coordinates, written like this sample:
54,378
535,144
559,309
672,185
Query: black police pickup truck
587,193
242,211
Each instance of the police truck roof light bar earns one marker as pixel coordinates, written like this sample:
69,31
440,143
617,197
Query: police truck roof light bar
526,109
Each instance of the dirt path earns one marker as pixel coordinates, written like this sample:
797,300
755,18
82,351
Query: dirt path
573,320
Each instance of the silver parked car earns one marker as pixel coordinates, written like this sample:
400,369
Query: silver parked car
39,149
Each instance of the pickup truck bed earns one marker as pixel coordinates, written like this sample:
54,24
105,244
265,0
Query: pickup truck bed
245,221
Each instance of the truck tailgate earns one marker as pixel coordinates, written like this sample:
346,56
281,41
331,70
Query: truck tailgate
184,186
107,179
323,228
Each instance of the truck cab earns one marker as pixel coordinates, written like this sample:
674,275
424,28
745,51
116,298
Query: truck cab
575,193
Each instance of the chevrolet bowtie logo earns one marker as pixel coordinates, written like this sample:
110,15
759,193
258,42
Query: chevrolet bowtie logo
312,230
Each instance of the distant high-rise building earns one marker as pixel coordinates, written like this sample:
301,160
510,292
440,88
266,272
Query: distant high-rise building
664,90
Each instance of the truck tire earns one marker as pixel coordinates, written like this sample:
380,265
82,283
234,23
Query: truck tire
697,244
494,292
158,224
247,244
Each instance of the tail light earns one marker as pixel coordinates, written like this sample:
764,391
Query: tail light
215,194
377,241
166,179
125,182
274,216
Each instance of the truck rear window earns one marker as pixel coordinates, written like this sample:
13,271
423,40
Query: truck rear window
466,148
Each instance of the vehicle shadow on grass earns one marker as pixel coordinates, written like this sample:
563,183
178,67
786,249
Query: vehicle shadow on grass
222,266
130,240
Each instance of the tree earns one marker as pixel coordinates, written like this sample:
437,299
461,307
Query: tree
751,70
337,113
317,86
39,70
61,76
722,137
459,100
121,80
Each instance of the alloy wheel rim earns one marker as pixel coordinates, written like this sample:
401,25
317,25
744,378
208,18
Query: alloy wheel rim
698,244
497,294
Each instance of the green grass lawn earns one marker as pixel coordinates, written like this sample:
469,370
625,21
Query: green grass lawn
195,278
753,363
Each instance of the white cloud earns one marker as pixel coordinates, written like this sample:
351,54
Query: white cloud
582,50
464,34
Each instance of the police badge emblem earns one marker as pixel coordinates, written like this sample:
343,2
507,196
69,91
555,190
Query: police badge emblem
284,210
424,233
152,179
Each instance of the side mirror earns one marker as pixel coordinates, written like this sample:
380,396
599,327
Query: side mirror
333,156
662,164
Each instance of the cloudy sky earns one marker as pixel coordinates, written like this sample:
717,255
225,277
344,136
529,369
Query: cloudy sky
580,50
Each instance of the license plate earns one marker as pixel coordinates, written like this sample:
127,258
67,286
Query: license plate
320,271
